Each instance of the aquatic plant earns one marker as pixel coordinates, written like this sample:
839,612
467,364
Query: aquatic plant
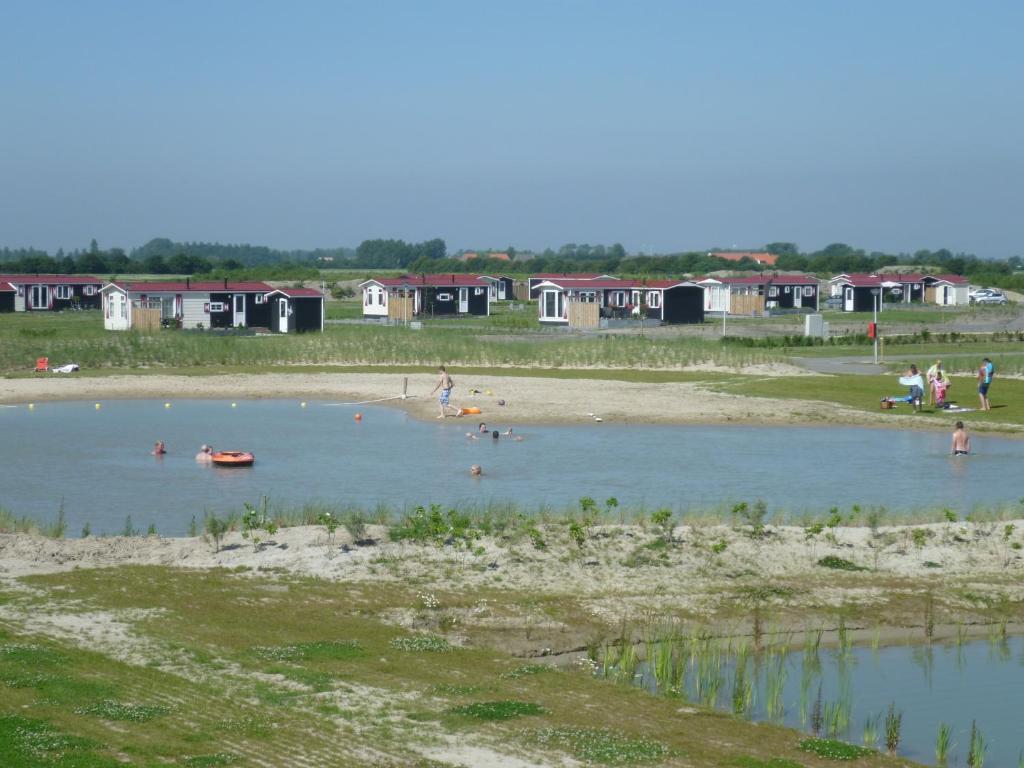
870,734
893,725
817,715
775,684
942,744
742,687
976,748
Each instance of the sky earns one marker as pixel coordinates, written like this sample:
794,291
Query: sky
665,126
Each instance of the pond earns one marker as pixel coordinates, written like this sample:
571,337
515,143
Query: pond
96,463
953,683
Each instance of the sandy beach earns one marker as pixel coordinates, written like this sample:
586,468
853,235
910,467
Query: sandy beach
528,400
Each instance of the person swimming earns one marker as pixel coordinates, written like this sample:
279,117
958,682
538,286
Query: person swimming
205,455
159,449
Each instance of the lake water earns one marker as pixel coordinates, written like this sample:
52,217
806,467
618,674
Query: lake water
940,683
98,463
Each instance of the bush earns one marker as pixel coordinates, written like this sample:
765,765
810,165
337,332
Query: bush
839,564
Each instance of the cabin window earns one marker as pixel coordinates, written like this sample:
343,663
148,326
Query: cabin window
478,291
808,290
787,289
90,290
216,306
553,305
653,299
587,296
773,291
618,298
444,297
260,298
21,290
62,292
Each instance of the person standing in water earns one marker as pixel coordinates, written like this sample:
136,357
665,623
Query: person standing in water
445,384
961,440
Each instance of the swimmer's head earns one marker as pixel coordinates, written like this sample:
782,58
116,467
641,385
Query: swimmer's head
959,425
494,434
476,469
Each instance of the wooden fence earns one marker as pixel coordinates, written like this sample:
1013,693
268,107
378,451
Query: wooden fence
583,314
400,309
746,304
145,320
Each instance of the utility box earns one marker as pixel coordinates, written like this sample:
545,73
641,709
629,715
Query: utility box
814,326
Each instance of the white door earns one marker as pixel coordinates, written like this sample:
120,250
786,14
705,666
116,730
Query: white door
239,309
463,300
40,297
282,315
848,300
945,296
797,297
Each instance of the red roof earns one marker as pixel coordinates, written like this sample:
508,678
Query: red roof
614,285
568,275
297,293
6,288
208,286
432,281
769,280
52,279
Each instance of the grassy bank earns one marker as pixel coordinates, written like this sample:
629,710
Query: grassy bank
242,668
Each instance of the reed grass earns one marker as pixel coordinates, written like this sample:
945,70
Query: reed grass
943,745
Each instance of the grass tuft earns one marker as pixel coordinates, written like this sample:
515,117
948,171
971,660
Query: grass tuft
430,643
832,749
498,710
596,745
839,564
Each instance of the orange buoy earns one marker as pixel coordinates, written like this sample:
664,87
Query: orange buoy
359,417
232,458
471,409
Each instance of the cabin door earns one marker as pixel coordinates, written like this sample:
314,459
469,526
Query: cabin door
463,300
239,309
797,299
848,299
282,315
40,297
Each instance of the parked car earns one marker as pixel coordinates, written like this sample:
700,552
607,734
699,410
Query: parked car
992,297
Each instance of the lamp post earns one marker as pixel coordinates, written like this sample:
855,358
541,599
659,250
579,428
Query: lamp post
405,305
875,292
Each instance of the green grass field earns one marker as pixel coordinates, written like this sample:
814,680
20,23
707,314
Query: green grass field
239,668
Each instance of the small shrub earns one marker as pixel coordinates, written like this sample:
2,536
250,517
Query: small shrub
217,529
528,669
719,546
536,537
428,643
116,710
601,746
320,649
577,534
839,564
832,749
498,710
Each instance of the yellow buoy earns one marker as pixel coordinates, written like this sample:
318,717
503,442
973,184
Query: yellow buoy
234,405
302,404
97,406
167,405
31,406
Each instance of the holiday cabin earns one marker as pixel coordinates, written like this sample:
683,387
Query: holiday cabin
295,310
53,292
7,294
408,296
667,301
502,287
947,290
188,304
535,280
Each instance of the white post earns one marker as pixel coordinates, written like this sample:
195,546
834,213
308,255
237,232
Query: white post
875,319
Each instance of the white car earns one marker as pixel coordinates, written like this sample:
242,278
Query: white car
988,296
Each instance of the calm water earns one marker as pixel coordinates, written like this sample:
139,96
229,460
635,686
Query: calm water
980,681
98,462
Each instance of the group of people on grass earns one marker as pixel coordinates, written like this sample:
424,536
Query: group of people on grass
937,384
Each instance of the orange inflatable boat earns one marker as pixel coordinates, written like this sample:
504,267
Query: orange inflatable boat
232,458
471,410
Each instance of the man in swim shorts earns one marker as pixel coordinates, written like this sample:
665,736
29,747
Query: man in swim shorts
985,374
445,384
205,455
961,440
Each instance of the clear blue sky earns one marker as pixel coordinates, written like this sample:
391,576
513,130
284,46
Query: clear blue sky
662,125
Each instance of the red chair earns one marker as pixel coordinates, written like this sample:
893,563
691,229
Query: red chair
42,365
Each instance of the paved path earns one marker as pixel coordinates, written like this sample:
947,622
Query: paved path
856,365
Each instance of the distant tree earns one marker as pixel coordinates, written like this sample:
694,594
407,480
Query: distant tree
783,249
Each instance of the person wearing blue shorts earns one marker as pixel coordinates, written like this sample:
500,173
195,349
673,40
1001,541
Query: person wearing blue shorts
985,374
445,384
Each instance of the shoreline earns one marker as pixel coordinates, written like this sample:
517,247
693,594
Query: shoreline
528,400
